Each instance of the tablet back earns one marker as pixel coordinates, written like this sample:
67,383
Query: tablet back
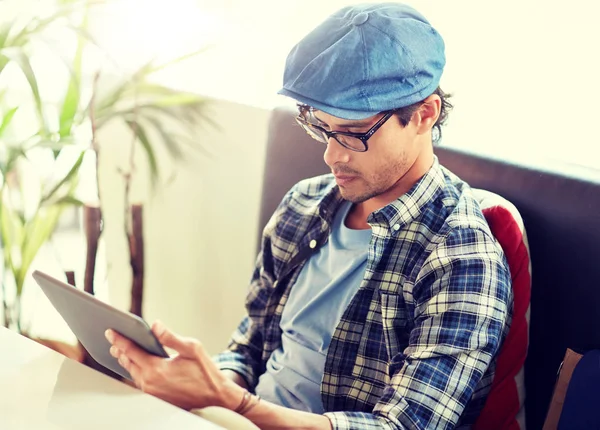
89,318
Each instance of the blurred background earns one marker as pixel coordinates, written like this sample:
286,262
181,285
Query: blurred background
160,108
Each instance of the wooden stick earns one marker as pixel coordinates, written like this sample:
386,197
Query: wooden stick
136,249
5,310
92,221
70,277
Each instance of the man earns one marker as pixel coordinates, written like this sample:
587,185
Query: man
380,298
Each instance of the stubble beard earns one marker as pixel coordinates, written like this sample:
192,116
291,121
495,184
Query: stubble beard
358,198
375,186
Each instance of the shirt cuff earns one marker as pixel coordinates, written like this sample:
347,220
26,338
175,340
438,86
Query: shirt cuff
355,420
229,360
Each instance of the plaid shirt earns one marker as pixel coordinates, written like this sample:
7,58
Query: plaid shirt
416,347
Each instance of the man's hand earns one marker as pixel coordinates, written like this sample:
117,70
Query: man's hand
189,379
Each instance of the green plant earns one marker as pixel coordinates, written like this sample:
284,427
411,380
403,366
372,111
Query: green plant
29,212
23,231
158,117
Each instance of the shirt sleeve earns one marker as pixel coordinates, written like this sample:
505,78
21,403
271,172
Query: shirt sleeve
244,353
462,308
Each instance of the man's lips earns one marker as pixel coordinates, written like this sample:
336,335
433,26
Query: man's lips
344,179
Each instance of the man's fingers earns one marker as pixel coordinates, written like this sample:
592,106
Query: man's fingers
126,358
167,338
123,346
136,374
134,370
110,335
115,352
124,362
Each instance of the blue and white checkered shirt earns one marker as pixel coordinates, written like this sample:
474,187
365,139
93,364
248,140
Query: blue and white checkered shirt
416,347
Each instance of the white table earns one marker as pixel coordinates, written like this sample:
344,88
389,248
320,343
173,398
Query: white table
41,389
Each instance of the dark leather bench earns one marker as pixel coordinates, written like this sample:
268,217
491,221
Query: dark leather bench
560,205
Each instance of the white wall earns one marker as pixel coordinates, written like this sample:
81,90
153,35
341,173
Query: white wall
523,72
200,229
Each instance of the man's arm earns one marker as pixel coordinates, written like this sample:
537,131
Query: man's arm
235,377
191,380
463,302
268,416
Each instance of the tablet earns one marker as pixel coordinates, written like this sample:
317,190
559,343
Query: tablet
89,318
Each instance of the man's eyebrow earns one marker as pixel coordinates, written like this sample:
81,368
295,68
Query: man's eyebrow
359,123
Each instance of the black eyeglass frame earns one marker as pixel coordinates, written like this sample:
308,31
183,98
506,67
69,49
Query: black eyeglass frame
363,137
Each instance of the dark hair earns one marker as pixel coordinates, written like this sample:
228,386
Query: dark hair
405,114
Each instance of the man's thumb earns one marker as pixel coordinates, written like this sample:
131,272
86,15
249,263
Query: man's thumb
169,339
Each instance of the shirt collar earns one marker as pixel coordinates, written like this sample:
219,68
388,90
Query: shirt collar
399,212
331,203
409,206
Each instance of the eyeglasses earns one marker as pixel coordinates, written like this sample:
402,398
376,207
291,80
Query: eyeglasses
353,141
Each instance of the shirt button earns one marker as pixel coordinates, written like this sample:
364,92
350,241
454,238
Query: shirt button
313,244
396,227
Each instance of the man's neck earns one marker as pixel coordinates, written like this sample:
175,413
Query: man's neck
357,217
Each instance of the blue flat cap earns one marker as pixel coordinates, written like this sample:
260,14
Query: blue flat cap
366,59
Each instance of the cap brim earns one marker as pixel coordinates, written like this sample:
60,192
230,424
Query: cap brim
336,112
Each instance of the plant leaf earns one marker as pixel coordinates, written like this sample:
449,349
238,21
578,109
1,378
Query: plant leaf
68,177
167,138
14,152
70,104
68,201
154,69
18,38
72,98
7,118
5,29
175,142
54,145
82,32
140,133
36,233
22,60
11,233
36,26
107,102
3,61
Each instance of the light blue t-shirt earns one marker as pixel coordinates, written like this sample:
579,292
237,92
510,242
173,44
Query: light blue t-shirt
324,289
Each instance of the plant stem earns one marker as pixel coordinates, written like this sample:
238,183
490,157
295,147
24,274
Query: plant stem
17,307
4,302
94,143
92,215
128,175
136,247
134,226
5,310
92,225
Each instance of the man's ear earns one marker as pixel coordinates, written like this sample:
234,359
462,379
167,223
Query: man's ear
427,114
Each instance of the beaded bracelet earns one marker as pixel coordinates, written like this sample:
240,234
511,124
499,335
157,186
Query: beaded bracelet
248,402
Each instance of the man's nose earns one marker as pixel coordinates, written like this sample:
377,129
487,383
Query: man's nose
335,153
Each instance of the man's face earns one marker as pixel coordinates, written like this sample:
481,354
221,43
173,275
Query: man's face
393,150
